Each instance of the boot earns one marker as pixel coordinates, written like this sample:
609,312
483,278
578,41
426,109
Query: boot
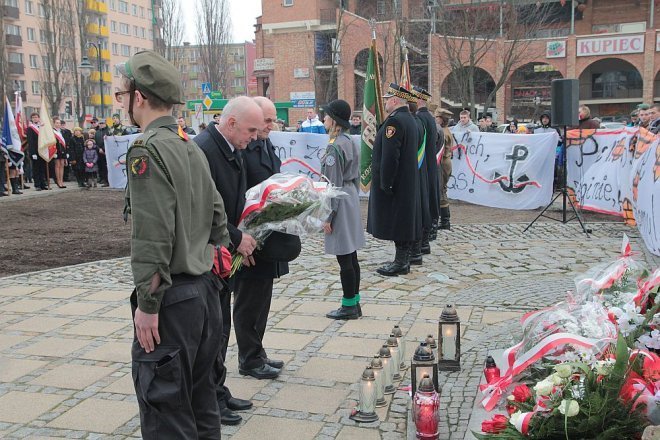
434,230
401,263
444,218
14,186
344,312
416,254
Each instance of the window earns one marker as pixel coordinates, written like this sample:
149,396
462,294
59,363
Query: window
31,34
36,88
141,11
136,31
115,49
113,26
43,36
134,10
124,29
42,10
29,7
15,57
126,50
13,3
287,2
21,84
113,5
143,33
34,61
136,50
45,61
123,7
11,29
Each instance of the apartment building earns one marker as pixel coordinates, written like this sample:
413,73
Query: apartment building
312,49
114,30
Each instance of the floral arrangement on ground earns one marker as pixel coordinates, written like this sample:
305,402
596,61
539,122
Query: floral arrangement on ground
588,367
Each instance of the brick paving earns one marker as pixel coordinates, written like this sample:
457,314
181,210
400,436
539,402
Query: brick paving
65,334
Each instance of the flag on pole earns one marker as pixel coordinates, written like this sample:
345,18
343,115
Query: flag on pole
372,114
405,68
20,119
47,142
10,137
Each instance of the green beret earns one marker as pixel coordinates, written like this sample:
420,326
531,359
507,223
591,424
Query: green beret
643,106
154,74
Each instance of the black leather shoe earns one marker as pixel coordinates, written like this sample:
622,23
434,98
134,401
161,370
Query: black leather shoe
426,249
344,312
38,189
359,310
394,269
236,404
229,417
263,372
275,363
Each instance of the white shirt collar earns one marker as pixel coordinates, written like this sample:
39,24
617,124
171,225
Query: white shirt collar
231,147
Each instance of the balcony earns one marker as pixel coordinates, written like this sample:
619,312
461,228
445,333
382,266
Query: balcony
91,53
96,99
107,77
14,40
96,6
16,68
95,29
11,12
101,7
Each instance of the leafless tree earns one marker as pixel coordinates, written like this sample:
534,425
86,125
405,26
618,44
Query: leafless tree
470,33
173,30
4,67
213,35
57,51
81,17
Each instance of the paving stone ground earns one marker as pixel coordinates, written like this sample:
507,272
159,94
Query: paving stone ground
65,334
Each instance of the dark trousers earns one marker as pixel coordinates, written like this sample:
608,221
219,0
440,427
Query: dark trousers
39,172
103,168
174,384
222,392
251,306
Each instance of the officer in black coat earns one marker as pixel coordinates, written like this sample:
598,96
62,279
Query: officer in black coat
221,143
394,200
431,163
254,285
416,249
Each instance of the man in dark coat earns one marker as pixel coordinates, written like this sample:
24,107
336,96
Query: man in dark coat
221,143
394,201
254,285
99,137
38,164
431,163
425,210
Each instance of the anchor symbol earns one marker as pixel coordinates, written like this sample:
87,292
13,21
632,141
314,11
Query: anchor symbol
519,153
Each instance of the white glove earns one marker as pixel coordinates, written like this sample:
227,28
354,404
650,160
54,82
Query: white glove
67,155
55,156
34,157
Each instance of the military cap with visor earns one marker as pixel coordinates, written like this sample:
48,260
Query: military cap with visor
154,74
421,93
400,92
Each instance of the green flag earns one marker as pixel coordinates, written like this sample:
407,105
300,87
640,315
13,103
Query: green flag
372,115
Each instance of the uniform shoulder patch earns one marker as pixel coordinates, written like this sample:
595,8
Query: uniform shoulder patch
137,143
139,167
330,160
390,130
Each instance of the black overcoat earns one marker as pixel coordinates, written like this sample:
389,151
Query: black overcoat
423,177
229,175
394,200
431,161
261,162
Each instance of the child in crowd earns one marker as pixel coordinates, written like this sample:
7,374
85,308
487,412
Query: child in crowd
91,159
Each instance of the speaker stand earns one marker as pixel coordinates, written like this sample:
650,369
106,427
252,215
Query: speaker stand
563,192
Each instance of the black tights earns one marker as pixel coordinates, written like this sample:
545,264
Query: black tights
350,277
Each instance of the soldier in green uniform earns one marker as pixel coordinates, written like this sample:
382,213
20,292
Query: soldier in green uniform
175,304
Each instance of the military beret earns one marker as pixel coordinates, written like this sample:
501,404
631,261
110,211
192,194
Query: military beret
154,74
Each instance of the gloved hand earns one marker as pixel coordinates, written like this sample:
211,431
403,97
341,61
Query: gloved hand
89,164
67,155
55,156
34,157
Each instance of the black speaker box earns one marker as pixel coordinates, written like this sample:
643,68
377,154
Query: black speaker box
565,102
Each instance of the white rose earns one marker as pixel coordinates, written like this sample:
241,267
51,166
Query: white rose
511,397
556,379
564,370
569,408
544,388
604,368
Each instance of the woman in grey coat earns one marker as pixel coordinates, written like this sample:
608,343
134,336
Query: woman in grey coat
344,233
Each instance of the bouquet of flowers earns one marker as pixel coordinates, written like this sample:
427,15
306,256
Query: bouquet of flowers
587,367
288,203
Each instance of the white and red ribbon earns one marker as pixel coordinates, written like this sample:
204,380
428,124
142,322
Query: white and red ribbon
257,204
522,423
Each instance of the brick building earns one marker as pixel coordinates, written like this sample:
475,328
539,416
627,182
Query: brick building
313,49
118,28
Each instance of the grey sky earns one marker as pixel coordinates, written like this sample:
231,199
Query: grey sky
243,14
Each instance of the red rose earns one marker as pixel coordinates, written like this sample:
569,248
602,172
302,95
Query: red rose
522,393
496,425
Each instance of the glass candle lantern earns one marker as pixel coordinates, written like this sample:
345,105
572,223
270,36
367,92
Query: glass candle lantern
398,334
366,410
377,367
423,364
426,410
386,358
449,340
433,346
396,357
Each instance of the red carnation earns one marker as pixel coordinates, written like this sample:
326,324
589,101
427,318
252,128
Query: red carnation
496,425
522,393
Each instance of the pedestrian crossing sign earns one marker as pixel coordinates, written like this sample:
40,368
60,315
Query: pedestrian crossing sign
206,88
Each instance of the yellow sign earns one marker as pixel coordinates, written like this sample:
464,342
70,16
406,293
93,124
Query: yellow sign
208,102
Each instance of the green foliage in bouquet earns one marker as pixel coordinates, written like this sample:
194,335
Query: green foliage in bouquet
278,212
602,414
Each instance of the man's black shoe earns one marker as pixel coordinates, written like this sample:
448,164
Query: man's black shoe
426,249
229,417
38,189
416,260
344,312
263,372
236,404
394,269
275,363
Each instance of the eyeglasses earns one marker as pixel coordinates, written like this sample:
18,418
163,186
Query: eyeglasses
118,95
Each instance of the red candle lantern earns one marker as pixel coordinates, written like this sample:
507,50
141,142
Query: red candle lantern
426,408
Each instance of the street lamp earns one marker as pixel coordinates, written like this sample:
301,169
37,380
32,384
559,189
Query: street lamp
86,68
